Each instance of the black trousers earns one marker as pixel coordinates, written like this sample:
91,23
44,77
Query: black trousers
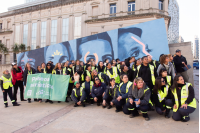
9,93
70,87
99,99
168,105
89,98
108,100
121,105
142,108
21,86
182,113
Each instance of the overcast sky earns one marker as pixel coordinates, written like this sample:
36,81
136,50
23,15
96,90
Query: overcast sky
189,16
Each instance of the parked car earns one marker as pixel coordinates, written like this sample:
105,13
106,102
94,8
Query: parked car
195,65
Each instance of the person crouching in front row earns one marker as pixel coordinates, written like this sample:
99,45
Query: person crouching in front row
98,91
110,95
6,87
139,98
78,95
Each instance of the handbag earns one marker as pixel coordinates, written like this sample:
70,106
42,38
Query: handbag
187,67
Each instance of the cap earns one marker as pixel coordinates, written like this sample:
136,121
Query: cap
13,64
178,50
76,82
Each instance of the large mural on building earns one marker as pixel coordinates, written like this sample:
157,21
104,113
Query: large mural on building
149,38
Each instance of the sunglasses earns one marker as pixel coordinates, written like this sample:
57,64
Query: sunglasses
163,81
96,79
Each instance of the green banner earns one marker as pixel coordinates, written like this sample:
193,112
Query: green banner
47,86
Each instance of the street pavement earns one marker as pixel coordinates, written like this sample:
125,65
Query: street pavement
63,117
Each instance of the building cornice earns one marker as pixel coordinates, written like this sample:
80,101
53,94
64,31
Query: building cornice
128,17
43,6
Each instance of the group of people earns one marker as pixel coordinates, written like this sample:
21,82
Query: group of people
131,85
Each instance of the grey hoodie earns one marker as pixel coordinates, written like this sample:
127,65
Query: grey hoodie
171,69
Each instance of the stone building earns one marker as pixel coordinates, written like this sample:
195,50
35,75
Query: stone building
38,23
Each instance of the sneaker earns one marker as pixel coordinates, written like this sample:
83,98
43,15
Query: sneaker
103,106
29,101
117,110
47,101
145,115
59,101
83,104
35,100
75,105
134,114
167,116
109,107
186,119
51,102
66,100
16,104
6,106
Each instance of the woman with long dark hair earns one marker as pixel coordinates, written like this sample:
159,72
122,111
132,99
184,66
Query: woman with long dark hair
110,95
28,71
17,80
183,99
163,74
162,97
101,67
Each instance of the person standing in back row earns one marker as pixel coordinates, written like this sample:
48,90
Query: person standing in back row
180,62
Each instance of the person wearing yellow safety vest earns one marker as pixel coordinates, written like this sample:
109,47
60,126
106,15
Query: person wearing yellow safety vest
77,68
87,72
6,87
98,91
110,95
164,63
101,67
94,66
87,85
103,77
71,83
139,99
113,72
28,71
59,70
183,99
153,62
162,97
43,65
122,95
78,95
48,70
147,72
163,74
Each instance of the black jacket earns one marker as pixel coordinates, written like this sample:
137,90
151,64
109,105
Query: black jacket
104,77
76,99
178,63
112,92
26,74
130,73
156,98
98,91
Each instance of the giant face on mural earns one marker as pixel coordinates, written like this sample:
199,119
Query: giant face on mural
61,52
98,47
139,40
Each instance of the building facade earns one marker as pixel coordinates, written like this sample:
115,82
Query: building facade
39,23
173,31
196,47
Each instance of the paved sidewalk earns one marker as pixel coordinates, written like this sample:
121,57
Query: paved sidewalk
196,83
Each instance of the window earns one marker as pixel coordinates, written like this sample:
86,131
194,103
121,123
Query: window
8,43
17,32
94,10
7,58
14,57
160,4
25,35
1,26
112,8
34,34
131,6
53,31
43,34
65,29
77,28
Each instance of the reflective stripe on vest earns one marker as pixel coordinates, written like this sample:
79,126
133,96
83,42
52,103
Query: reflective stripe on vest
127,87
149,99
118,66
168,80
114,89
30,72
6,82
115,75
81,89
99,75
91,84
152,73
154,62
184,96
70,80
162,95
88,74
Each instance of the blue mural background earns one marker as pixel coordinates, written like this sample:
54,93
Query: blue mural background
136,40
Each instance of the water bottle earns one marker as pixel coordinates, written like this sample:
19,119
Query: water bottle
136,104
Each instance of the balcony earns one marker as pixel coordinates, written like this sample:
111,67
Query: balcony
123,15
3,31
